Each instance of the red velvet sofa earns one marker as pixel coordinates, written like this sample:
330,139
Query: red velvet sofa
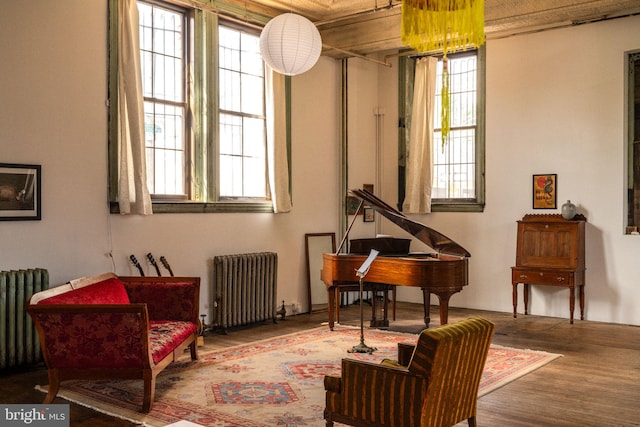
116,327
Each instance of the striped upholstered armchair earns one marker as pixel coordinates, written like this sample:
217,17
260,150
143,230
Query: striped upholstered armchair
434,383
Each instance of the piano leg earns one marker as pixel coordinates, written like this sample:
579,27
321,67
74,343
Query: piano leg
444,306
443,298
393,293
426,303
332,294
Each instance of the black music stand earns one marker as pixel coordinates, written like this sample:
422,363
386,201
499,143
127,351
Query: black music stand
361,272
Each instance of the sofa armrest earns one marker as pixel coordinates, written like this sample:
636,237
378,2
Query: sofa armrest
332,383
93,335
405,352
167,298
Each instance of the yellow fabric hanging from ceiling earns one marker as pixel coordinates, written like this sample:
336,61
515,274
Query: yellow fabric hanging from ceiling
442,25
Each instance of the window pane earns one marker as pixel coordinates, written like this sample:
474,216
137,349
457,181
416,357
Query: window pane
230,176
254,177
251,58
230,135
168,165
254,135
229,38
454,166
161,45
462,92
229,90
252,95
145,15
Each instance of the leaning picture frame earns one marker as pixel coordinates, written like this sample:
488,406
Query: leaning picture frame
20,192
545,188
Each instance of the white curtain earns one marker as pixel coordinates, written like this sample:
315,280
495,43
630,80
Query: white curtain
420,147
133,194
277,161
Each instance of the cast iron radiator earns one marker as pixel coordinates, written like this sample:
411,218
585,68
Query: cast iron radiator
244,288
19,343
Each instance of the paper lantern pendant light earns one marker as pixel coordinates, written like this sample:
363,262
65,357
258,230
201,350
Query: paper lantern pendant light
290,44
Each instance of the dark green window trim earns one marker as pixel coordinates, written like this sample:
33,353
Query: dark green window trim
633,145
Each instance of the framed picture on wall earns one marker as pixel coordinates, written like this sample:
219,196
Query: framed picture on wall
368,214
353,202
20,192
545,191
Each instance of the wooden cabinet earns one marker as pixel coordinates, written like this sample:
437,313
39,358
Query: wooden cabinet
550,251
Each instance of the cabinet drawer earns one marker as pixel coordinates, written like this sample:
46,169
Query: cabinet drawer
538,277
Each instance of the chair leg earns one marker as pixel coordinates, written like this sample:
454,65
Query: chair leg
327,417
472,421
54,385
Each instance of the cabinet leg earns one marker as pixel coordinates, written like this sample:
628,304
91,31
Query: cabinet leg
526,298
572,303
581,292
515,300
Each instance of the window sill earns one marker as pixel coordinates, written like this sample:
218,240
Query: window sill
200,207
457,207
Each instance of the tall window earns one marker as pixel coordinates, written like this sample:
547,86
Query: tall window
241,117
163,63
204,88
455,161
458,177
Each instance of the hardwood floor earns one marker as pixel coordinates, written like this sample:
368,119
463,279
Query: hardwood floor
596,383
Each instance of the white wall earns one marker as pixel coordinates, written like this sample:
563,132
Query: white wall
555,104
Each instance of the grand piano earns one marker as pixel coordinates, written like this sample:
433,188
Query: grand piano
443,272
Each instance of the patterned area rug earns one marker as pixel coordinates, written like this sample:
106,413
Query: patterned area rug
273,382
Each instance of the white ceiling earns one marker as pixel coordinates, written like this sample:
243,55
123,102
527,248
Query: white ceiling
373,26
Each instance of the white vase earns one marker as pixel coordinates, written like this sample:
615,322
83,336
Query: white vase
568,210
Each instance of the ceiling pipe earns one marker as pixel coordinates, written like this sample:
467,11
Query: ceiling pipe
357,55
389,6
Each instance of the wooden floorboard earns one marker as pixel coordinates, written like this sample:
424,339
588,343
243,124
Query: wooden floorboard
596,382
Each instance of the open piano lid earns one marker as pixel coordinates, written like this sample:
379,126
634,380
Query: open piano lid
434,239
